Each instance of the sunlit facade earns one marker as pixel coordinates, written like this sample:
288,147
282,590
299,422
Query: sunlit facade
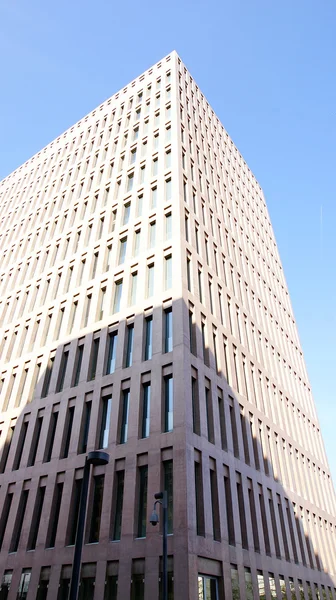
144,311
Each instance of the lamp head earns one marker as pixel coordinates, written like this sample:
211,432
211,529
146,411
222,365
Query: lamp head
154,519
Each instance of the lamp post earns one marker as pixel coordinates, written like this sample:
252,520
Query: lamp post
161,498
94,458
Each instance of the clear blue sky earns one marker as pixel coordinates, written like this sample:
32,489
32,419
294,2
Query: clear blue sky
268,70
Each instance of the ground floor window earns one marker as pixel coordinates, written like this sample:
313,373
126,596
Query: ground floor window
207,588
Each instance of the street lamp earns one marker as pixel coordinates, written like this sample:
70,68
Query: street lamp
95,458
161,498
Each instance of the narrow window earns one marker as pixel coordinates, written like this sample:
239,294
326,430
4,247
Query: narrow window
168,272
134,281
112,352
124,417
47,377
168,330
168,226
68,431
85,426
105,421
62,371
200,525
168,487
142,500
93,359
150,281
119,494
117,295
35,441
51,437
36,518
19,521
148,337
78,364
129,347
97,502
122,250
168,403
214,506
54,515
146,392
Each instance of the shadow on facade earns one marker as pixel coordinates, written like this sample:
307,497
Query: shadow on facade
235,524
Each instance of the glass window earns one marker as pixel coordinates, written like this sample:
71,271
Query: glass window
127,213
168,403
146,391
168,486
248,584
150,281
112,351
134,282
129,348
5,584
154,196
93,359
235,583
169,224
148,337
168,190
124,416
105,421
168,159
117,295
139,205
152,234
122,250
208,588
168,274
155,167
119,492
24,584
137,242
168,329
142,500
98,491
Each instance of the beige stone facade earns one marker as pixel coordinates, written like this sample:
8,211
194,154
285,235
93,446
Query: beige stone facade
144,310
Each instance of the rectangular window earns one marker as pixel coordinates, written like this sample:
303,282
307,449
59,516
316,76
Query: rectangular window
97,501
93,359
235,582
35,441
133,294
36,518
168,272
199,500
51,436
168,403
112,352
150,281
145,421
168,487
47,377
119,495
18,523
62,371
124,416
117,295
127,213
122,250
154,197
148,338
87,310
136,247
152,234
54,515
85,425
142,500
168,330
67,432
24,584
214,505
168,190
74,508
168,226
129,347
106,406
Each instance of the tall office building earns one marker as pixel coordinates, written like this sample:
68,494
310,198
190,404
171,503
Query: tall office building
144,311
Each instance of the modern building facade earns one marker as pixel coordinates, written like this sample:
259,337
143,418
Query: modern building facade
144,311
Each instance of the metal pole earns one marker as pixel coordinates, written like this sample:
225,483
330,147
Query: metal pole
164,547
73,594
